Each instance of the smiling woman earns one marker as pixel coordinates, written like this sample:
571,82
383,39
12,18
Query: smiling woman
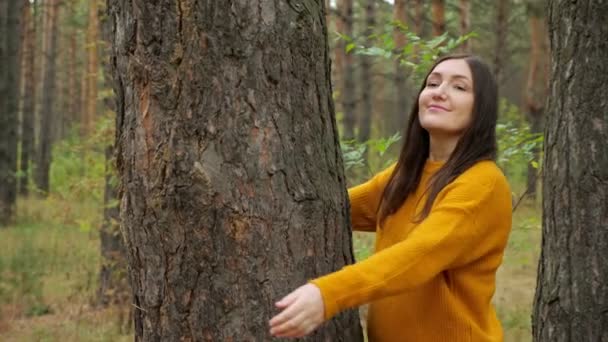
442,216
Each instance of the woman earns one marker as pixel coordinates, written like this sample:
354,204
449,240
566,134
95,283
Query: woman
442,217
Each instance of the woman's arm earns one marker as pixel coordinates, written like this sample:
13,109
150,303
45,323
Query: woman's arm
467,221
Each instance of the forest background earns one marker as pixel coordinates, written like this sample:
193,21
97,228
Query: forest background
59,269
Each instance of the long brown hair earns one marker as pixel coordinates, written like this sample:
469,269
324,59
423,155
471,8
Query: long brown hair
477,143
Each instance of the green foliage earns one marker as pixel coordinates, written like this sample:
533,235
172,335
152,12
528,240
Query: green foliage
417,54
516,143
354,155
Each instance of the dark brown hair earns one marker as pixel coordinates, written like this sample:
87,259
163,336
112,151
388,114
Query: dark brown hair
477,143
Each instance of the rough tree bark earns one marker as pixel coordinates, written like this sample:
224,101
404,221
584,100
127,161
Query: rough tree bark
232,189
572,287
9,104
47,110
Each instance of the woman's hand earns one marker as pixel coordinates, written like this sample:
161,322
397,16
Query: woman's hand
303,312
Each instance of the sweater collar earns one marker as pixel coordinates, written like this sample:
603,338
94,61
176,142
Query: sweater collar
433,166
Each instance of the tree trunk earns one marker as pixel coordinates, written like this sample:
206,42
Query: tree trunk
500,50
113,282
29,96
92,65
47,117
401,99
572,286
438,17
9,105
465,23
232,179
348,85
366,77
537,86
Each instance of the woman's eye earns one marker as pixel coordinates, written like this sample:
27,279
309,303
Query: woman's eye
432,84
460,87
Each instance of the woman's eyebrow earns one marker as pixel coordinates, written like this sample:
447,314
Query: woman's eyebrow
453,76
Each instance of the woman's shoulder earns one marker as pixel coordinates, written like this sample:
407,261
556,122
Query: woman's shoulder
485,173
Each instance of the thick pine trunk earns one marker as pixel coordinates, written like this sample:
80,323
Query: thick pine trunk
572,288
9,104
29,97
232,185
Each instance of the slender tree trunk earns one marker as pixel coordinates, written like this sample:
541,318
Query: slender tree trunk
401,98
232,185
537,85
465,23
9,105
348,85
47,117
29,96
367,88
92,66
438,17
572,286
500,50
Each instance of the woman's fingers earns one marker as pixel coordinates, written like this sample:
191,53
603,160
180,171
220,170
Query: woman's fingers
287,300
292,328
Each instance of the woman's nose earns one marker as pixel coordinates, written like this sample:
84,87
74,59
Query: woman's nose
439,91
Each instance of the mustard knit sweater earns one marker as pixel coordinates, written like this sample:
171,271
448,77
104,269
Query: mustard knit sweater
433,280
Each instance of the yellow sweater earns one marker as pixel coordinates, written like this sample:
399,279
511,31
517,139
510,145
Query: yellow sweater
431,281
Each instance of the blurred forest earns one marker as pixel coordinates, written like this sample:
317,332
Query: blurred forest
62,277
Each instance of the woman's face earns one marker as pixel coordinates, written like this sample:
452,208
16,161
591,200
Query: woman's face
446,102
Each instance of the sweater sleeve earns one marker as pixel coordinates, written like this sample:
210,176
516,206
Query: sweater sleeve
364,200
451,235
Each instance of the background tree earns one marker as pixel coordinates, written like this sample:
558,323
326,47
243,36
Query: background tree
9,96
572,286
29,93
232,184
47,110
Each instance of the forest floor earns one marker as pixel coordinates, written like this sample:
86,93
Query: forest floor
48,277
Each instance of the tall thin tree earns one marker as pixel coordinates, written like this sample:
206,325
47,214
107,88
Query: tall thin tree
438,10
29,94
47,111
9,104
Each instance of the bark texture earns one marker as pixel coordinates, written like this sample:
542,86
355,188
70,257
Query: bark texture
500,49
464,8
572,287
232,189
